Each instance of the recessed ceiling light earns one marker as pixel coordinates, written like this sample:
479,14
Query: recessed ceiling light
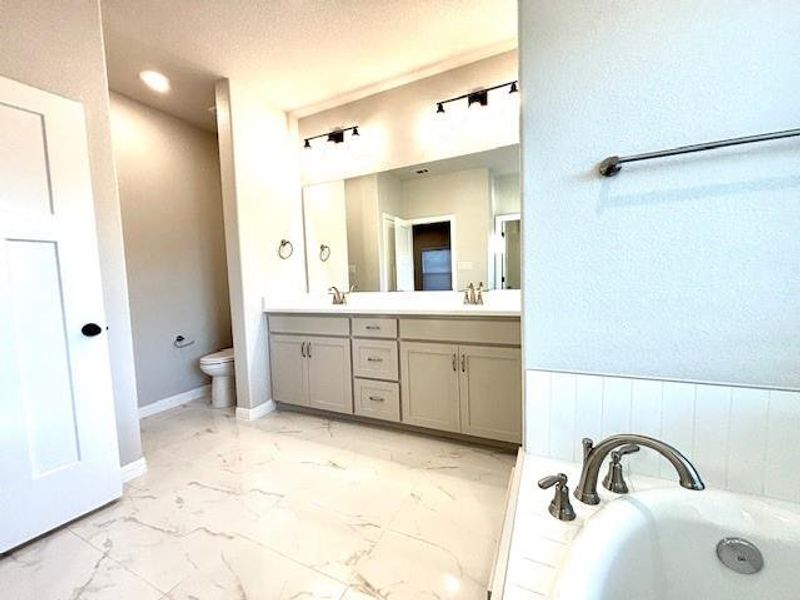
156,81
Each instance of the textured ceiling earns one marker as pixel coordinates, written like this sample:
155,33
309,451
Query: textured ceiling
295,53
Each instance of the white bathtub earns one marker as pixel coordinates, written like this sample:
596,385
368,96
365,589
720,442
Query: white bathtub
661,545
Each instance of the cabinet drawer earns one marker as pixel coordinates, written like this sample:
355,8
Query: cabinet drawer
309,325
376,359
478,331
374,328
377,399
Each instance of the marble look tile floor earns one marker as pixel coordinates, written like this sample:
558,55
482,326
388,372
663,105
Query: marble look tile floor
289,506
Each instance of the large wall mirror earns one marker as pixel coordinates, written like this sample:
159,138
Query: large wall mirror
428,227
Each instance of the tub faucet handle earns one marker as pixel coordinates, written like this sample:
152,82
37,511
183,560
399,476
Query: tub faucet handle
614,479
560,507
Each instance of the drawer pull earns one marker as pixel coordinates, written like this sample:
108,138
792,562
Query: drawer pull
373,327
374,359
377,398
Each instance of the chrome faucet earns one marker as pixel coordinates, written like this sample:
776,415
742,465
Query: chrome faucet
339,297
593,456
479,294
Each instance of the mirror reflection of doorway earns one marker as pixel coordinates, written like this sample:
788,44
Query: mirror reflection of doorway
433,266
509,272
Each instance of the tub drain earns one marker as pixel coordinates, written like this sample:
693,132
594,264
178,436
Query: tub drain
740,556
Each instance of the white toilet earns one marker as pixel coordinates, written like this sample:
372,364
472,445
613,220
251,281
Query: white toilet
219,366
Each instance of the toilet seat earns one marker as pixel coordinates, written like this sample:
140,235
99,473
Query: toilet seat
217,358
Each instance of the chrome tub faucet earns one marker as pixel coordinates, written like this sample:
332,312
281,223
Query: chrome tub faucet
593,456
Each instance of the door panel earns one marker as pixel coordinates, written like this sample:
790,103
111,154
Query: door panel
289,369
58,446
429,385
25,184
491,392
37,318
330,380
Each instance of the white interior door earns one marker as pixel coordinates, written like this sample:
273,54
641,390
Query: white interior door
58,443
404,255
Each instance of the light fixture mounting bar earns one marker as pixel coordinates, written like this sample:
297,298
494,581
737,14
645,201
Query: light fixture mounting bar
335,135
512,85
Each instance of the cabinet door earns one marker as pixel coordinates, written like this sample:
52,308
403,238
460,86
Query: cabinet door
491,392
429,385
289,381
330,383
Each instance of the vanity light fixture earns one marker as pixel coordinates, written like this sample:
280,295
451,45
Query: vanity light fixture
478,97
336,136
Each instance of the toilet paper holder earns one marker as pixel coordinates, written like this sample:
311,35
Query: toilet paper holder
182,342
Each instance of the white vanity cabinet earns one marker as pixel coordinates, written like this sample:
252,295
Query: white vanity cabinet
311,370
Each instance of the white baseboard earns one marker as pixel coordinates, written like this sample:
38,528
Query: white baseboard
251,414
172,401
133,469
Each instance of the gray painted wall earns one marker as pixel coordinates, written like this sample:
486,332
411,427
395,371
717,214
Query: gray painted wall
684,268
169,188
58,47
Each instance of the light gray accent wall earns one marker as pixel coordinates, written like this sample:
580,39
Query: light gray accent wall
685,268
58,47
169,187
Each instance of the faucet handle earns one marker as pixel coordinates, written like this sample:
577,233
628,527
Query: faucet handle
626,449
551,480
560,507
614,480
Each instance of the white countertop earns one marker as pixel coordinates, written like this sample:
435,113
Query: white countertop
497,303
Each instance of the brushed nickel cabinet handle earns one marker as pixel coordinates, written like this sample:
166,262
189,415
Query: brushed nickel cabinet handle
373,327
374,359
308,349
377,398
455,362
463,363
303,349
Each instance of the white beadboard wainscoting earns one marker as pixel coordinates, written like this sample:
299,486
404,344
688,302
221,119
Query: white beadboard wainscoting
740,439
